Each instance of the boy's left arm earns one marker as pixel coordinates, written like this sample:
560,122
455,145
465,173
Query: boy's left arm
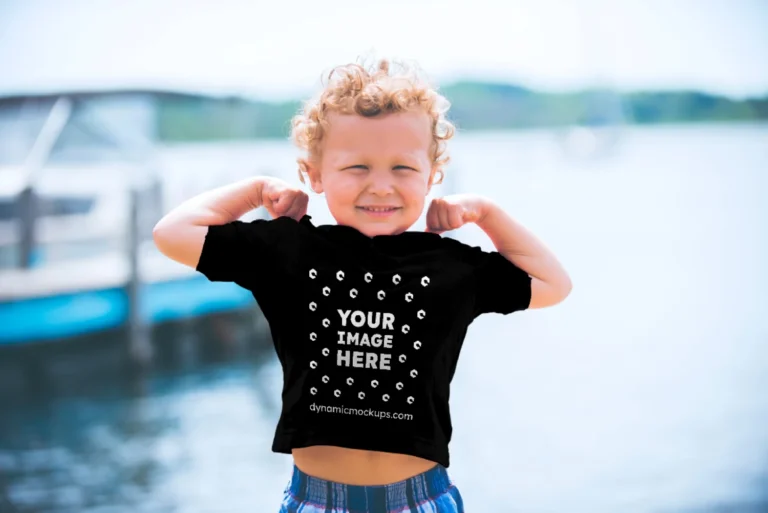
550,283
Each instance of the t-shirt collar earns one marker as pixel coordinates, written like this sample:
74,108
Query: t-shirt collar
411,240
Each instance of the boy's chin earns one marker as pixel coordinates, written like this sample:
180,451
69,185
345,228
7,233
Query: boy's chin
380,228
371,226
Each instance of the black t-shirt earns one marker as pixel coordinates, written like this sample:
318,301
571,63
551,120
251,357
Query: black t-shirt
368,330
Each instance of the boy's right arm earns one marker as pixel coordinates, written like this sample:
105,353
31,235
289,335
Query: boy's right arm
181,233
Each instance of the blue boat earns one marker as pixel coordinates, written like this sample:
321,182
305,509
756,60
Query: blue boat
78,310
80,191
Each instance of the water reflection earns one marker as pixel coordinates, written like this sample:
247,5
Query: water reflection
144,442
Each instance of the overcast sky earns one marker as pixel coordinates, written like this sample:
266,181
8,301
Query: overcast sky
278,49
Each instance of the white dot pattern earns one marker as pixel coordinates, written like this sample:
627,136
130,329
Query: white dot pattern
325,340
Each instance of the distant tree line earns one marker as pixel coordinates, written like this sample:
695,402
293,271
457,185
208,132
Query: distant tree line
475,106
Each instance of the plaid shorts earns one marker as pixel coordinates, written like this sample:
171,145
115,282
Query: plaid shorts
431,491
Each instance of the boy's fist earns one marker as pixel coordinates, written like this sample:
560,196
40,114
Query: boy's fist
454,211
282,199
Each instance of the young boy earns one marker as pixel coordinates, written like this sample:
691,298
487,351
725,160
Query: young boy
367,317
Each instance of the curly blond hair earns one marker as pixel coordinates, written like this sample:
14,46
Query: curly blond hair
355,89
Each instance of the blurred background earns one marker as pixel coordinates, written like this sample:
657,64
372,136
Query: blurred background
629,136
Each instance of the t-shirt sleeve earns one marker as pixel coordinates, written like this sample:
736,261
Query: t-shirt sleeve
247,252
500,285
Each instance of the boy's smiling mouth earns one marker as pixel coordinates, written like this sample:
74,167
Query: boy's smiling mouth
378,211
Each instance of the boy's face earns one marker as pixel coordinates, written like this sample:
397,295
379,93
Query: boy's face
375,171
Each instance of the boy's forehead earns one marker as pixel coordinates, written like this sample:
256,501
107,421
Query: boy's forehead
416,122
338,156
405,133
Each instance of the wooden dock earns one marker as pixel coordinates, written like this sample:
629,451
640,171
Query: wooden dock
71,298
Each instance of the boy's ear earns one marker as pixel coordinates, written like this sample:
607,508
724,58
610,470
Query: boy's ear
315,180
435,178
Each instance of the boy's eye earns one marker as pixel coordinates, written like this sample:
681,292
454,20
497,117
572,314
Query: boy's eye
360,166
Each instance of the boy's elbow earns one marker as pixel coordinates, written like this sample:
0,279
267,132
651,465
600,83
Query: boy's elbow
179,241
562,289
546,294
160,235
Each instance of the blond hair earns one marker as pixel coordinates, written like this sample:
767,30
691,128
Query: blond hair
355,89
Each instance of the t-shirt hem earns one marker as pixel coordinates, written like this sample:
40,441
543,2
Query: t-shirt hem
419,447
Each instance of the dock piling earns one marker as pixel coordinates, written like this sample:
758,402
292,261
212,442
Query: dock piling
139,339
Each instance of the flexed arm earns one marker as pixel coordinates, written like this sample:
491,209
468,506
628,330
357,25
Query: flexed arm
180,234
550,283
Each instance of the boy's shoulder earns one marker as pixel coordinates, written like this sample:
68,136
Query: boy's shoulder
462,250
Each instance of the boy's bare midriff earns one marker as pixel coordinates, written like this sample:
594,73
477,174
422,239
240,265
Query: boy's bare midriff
358,467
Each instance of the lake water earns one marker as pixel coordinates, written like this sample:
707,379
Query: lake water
645,391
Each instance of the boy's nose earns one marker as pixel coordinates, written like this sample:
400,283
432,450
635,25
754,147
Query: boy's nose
380,184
